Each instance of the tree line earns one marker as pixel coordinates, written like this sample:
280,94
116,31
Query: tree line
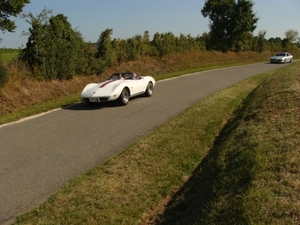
56,51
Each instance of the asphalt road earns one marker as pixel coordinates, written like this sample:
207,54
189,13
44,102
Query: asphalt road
40,155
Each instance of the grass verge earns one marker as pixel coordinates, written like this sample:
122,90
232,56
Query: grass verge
230,159
251,173
39,108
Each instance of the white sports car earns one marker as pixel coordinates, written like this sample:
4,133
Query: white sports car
281,57
119,87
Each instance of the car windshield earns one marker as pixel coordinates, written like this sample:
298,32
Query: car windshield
116,76
127,76
280,54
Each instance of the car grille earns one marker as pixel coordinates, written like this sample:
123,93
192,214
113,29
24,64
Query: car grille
102,99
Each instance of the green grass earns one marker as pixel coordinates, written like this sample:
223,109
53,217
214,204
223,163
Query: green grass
8,55
232,158
256,178
200,69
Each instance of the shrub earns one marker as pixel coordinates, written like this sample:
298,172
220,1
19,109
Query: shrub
3,74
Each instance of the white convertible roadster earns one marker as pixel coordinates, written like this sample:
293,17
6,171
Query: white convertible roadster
119,87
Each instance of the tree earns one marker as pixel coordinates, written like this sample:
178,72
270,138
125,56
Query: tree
275,40
157,43
164,43
134,47
105,50
147,43
60,48
34,52
261,41
54,50
275,44
229,20
7,9
291,35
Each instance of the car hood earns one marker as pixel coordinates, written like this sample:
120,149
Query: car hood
104,88
108,84
277,57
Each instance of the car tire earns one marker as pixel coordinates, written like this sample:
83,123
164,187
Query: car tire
124,97
291,61
149,90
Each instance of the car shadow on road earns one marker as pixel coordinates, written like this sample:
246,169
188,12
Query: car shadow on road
81,106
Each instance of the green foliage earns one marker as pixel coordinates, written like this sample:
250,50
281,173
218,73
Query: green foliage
110,52
60,60
54,50
3,74
134,47
260,42
275,44
165,43
7,9
292,36
105,50
85,58
229,21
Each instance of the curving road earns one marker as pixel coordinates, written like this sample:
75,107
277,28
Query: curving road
40,155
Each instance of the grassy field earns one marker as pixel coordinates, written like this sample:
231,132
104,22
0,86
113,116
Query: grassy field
8,55
232,158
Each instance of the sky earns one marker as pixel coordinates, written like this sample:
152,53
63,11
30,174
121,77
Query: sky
128,18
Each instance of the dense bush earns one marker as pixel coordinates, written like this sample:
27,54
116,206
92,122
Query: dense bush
3,74
54,50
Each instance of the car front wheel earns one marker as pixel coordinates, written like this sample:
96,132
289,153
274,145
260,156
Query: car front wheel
124,97
149,90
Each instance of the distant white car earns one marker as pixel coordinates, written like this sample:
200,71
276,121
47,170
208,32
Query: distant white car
119,87
281,57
